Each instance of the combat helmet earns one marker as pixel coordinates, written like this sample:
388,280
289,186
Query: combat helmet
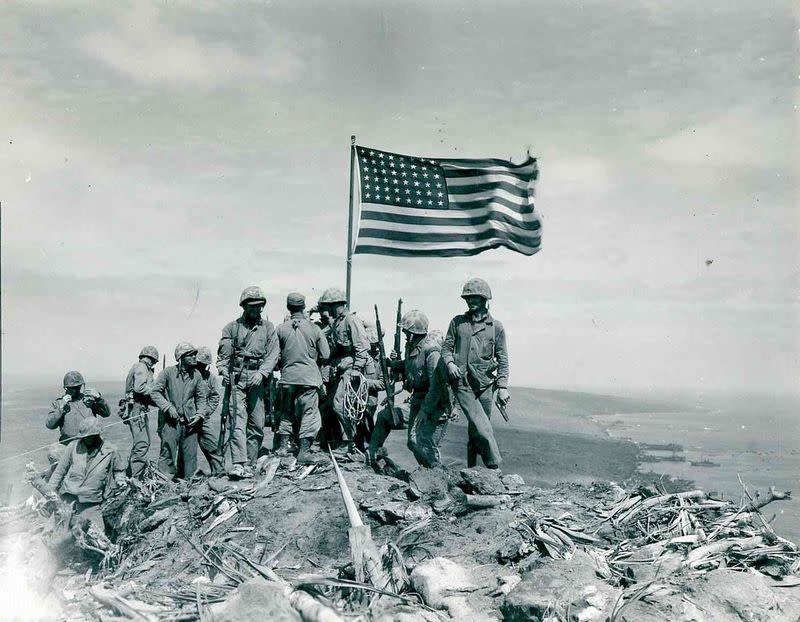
415,322
332,295
182,349
477,287
73,379
252,294
204,355
149,352
371,330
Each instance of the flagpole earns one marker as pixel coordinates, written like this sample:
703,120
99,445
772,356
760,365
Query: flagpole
350,218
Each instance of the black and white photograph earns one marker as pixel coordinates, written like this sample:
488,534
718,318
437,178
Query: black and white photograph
399,311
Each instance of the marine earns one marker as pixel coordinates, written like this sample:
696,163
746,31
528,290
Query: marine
207,406
476,357
247,355
135,408
419,370
349,355
77,404
178,391
89,471
303,347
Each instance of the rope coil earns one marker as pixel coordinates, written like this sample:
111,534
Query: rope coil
356,395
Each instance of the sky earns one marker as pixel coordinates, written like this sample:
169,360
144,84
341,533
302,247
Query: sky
157,158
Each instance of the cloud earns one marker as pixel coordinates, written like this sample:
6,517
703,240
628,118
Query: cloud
143,46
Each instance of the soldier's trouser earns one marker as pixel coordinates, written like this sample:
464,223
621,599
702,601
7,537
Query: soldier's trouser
248,426
429,430
401,418
477,408
207,439
178,455
300,417
83,512
139,425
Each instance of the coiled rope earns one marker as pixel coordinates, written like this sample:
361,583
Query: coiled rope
356,395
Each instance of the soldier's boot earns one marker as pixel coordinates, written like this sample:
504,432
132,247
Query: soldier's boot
305,455
284,447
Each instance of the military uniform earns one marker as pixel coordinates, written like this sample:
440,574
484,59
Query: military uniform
67,415
256,352
177,393
478,349
207,431
136,408
350,352
302,346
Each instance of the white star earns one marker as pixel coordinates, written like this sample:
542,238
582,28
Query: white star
386,189
416,183
428,193
372,153
439,194
441,202
427,184
430,202
380,155
366,186
402,164
404,174
438,185
419,191
366,176
413,166
415,173
394,172
366,196
405,182
419,201
391,157
391,164
408,190
425,175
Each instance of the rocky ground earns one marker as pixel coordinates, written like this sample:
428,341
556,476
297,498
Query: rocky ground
435,545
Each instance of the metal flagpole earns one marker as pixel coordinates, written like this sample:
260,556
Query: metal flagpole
350,218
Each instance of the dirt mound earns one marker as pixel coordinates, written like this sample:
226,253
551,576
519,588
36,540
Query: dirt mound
438,544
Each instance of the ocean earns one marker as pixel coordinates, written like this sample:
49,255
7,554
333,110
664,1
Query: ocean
754,438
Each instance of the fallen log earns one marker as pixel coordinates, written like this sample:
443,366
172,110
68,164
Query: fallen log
120,605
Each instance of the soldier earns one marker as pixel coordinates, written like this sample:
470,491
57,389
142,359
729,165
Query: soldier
206,433
135,408
249,348
89,471
67,412
349,354
303,347
475,353
419,369
177,392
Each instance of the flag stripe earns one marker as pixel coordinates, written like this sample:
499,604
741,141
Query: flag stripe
449,249
481,210
474,180
494,186
412,236
379,219
487,163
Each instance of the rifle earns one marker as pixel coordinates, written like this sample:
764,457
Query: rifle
384,364
231,412
502,408
398,329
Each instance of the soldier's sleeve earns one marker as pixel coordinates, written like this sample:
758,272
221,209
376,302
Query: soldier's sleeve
323,348
63,467
100,407
141,381
360,342
199,394
272,354
159,393
55,416
431,361
449,344
213,394
501,355
224,350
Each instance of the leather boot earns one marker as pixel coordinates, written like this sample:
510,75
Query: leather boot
283,447
305,456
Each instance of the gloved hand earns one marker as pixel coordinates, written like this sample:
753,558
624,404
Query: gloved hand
503,396
196,421
454,372
254,380
92,393
172,415
225,377
66,399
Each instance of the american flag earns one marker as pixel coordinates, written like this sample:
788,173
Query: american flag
417,207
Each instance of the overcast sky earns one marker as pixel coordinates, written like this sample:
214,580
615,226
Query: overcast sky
156,159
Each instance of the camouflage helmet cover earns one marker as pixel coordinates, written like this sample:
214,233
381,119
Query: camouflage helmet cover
182,349
332,295
204,355
371,330
73,379
415,322
150,352
252,294
90,426
477,287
